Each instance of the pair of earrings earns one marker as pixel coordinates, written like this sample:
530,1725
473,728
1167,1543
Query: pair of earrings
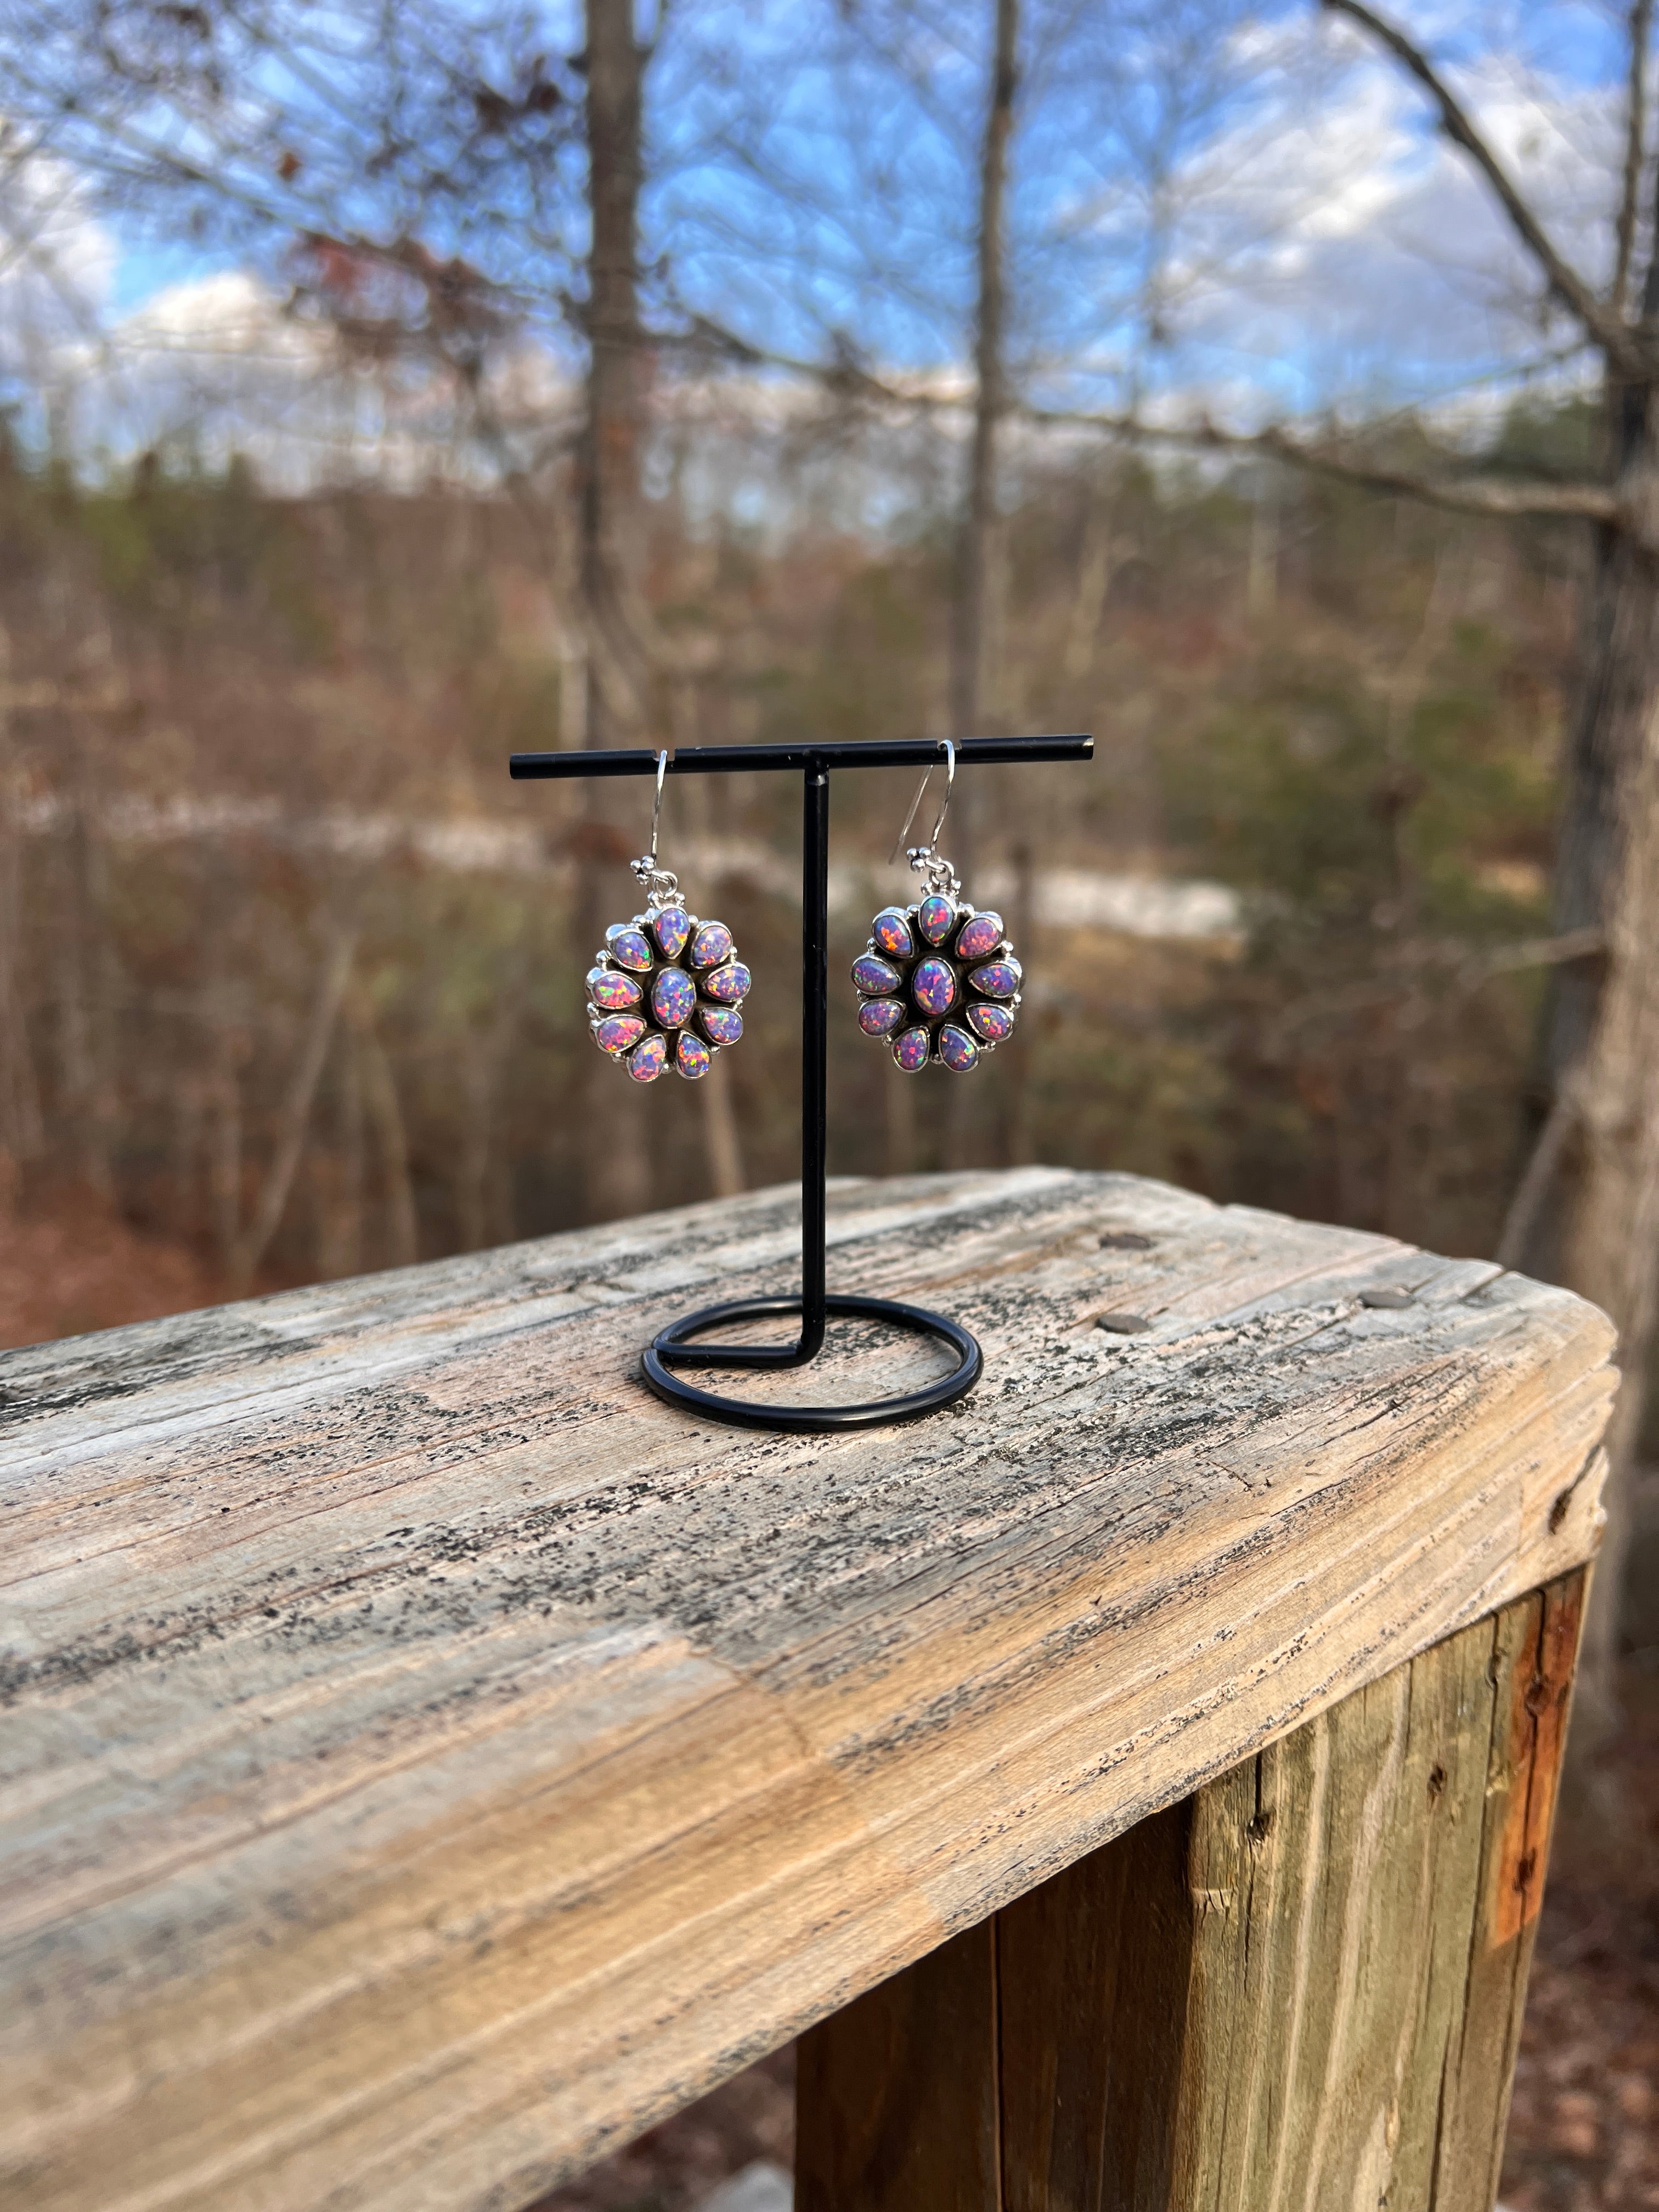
665,990
938,981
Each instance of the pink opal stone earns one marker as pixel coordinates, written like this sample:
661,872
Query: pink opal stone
674,998
721,1024
648,1060
933,986
934,917
671,928
618,1032
728,984
691,1056
711,944
958,1050
911,1050
994,1024
874,977
1000,981
879,1017
980,936
628,946
608,988
890,933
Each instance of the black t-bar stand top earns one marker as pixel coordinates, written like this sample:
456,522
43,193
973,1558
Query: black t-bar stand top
672,1346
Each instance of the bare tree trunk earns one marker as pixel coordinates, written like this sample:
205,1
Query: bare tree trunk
1404,684
1262,573
1096,560
482,1068
21,1128
386,1113
973,611
1602,1237
349,1226
83,1061
619,671
225,1155
719,1130
976,611
616,1147
1620,671
294,1117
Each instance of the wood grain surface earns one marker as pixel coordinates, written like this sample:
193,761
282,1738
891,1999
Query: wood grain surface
426,1759
1300,1987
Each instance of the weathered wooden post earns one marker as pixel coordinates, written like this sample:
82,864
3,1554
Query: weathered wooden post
427,1759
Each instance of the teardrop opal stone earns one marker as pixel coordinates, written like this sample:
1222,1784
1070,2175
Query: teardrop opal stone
1000,981
911,1050
890,930
933,986
628,946
618,1031
648,1060
934,916
728,984
992,1023
721,1024
980,936
878,1017
671,928
958,1050
691,1056
609,988
674,998
711,944
874,977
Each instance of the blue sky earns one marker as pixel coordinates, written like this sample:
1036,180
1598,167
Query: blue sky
1210,204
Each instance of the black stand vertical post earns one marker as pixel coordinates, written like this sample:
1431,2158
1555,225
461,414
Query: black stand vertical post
673,1346
814,1055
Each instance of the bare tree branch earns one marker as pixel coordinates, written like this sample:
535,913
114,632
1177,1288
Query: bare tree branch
1641,25
1564,280
1538,1176
1498,496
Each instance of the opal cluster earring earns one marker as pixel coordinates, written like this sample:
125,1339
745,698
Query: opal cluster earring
667,989
938,980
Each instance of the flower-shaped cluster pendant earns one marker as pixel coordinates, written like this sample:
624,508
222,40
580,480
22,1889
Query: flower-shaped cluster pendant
938,981
665,991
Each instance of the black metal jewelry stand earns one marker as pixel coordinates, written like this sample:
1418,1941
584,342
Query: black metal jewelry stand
672,1346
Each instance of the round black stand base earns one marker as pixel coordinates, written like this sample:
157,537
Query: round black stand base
672,1344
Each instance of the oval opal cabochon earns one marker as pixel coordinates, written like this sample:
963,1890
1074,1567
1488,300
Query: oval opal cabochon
628,946
980,936
892,933
671,928
728,984
874,977
934,917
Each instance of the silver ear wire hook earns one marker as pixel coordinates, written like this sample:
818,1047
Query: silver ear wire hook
658,884
944,804
656,808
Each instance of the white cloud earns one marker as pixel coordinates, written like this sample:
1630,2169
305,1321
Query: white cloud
57,261
1333,245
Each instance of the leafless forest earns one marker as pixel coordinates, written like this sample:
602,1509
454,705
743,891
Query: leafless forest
541,378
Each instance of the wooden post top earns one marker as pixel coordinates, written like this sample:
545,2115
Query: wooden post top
426,1759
